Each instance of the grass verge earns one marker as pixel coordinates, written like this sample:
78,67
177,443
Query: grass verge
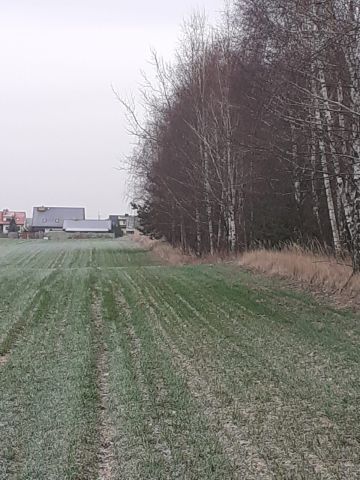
318,272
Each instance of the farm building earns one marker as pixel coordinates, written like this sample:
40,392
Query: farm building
7,215
128,223
87,226
46,219
118,221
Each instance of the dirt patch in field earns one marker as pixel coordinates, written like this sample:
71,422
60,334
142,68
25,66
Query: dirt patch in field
106,432
4,359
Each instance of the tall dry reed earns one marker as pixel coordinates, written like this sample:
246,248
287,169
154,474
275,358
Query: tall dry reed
317,270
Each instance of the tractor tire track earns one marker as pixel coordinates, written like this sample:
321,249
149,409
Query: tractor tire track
105,428
235,444
197,383
28,316
147,397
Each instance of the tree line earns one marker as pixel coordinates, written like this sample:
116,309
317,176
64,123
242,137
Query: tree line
252,134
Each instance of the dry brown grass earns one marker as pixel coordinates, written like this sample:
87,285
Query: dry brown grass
163,250
175,256
317,271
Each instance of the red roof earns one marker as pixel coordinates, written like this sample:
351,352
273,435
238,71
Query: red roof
6,215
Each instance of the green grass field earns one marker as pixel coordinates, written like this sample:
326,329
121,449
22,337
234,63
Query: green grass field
113,366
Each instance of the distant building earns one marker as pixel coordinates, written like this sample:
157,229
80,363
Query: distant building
28,224
117,221
7,215
52,218
87,226
128,223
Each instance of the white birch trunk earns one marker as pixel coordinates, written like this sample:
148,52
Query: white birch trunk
327,123
343,187
351,51
315,196
231,180
207,202
198,231
220,222
326,176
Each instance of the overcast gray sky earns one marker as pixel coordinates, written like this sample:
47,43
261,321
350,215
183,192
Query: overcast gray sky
62,133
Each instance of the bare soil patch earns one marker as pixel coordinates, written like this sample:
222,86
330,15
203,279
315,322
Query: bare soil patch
4,359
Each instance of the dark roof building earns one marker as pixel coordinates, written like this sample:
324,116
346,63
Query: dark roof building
52,218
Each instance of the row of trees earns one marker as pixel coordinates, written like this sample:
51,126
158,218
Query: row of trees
252,134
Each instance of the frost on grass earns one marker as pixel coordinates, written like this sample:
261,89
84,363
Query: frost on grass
191,369
106,431
238,447
136,352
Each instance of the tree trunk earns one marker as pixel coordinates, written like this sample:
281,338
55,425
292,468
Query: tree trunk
183,239
343,187
198,232
207,202
326,177
353,64
315,196
296,173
